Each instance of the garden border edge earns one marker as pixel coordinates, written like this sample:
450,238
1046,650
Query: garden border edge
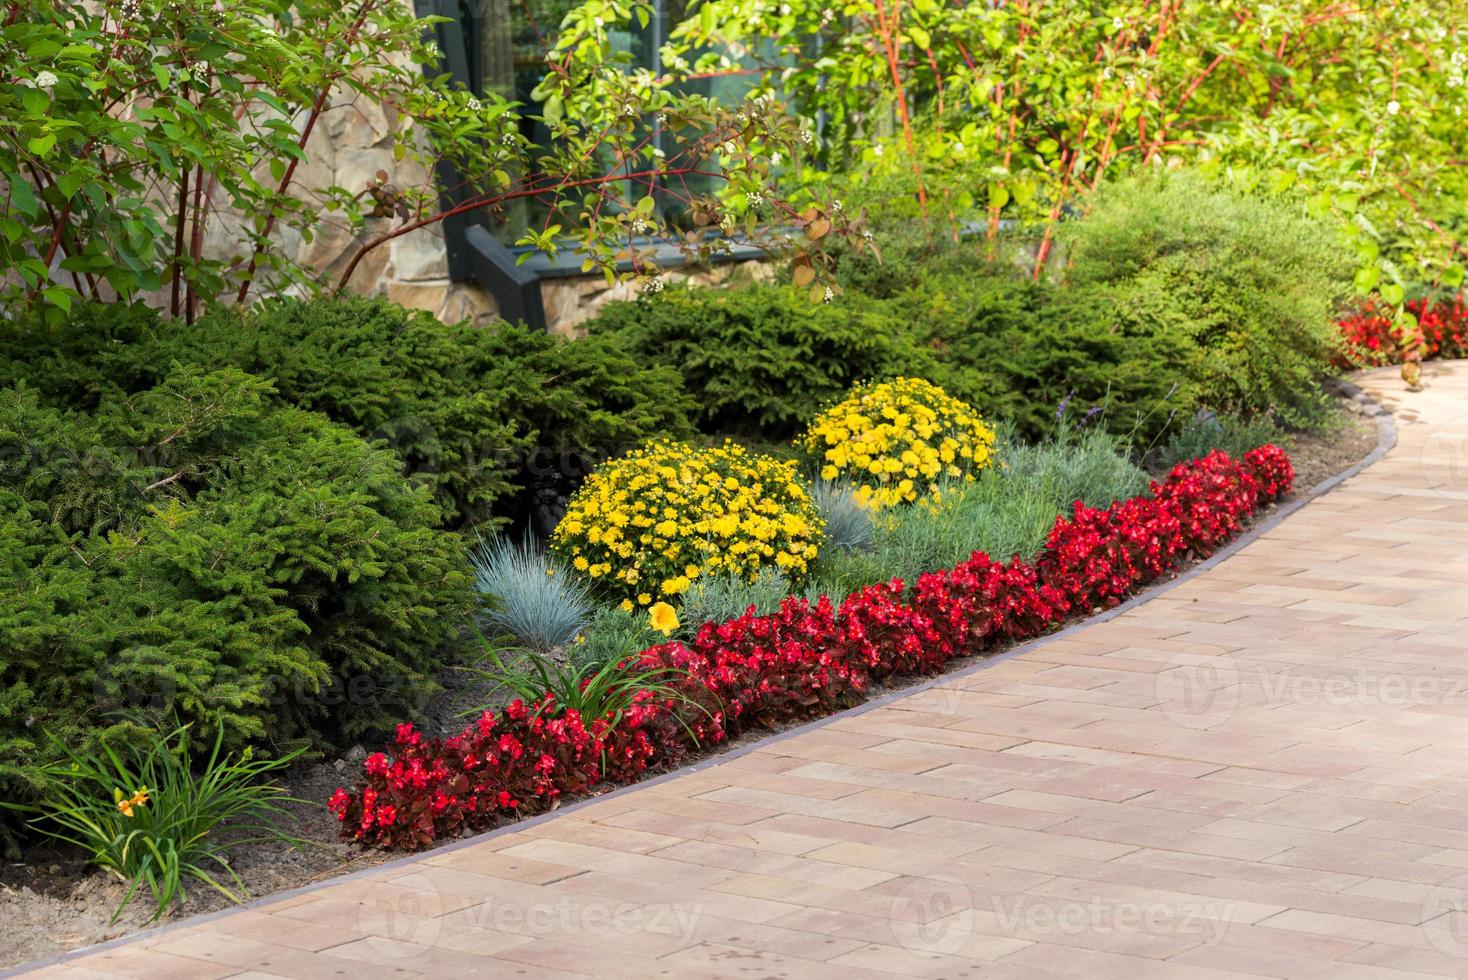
1386,439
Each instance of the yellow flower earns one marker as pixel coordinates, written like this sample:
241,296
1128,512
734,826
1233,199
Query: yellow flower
125,806
893,440
669,513
662,618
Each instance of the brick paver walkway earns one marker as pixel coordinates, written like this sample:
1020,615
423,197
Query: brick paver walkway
1261,773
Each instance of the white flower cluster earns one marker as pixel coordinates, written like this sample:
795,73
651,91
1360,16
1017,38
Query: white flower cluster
754,198
45,79
654,283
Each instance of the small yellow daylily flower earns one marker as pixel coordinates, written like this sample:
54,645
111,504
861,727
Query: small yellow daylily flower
125,806
662,618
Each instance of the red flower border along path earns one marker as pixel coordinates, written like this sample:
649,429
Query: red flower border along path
803,662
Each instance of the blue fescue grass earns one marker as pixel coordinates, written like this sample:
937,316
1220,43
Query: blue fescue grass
532,598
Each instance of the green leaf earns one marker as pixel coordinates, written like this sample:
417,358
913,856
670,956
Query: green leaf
1366,278
58,296
41,145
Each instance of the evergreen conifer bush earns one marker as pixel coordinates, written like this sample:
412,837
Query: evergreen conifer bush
762,360
196,549
497,421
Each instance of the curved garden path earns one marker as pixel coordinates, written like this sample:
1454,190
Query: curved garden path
1260,772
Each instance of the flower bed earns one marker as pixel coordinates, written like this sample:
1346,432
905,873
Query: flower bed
1371,338
804,661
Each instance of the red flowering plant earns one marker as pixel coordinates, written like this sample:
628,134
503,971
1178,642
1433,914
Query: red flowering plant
1097,556
429,789
758,671
981,603
1273,473
805,660
885,636
1371,336
1211,496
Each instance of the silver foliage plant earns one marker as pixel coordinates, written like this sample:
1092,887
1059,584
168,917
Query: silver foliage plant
531,596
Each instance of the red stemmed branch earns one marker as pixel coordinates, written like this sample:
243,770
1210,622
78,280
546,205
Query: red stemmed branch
482,201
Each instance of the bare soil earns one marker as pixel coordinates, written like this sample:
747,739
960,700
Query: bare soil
1318,456
52,901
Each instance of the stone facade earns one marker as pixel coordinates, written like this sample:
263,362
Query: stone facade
352,144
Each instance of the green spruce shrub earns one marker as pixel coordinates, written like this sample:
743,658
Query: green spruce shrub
496,421
763,360
195,549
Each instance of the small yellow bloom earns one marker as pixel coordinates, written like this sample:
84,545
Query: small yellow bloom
125,806
662,618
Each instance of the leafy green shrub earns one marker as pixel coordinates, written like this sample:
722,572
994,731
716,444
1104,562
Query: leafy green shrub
1255,282
1018,349
143,814
761,360
531,597
493,420
195,548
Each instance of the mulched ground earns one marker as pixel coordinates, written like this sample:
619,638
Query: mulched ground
50,901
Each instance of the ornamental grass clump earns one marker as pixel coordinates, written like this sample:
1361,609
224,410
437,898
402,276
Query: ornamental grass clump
531,598
158,816
646,526
898,440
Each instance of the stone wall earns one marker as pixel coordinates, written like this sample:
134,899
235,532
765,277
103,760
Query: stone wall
352,142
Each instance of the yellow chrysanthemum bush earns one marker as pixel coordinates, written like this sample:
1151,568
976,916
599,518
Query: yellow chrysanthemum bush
647,524
897,440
